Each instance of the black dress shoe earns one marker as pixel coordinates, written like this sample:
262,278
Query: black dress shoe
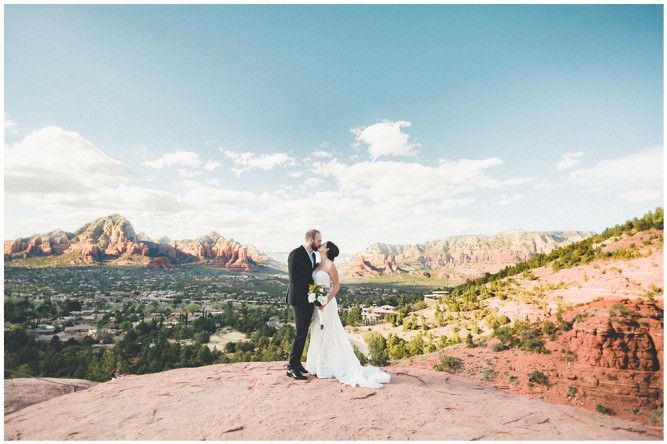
296,374
302,370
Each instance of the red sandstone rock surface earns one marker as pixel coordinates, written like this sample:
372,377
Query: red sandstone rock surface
20,393
616,363
614,353
256,401
160,262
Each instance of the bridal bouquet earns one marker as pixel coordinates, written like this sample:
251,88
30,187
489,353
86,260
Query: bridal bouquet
317,295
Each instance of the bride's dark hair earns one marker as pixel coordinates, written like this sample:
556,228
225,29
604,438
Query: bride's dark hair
333,250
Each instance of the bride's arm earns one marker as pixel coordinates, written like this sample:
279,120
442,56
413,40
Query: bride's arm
335,284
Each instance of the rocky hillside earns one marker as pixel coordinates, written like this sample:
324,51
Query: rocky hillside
112,239
586,328
23,392
458,258
256,401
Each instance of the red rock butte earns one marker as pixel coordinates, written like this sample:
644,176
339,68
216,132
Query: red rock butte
112,238
256,401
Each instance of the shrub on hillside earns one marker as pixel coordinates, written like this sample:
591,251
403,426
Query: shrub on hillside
534,345
620,308
537,377
449,364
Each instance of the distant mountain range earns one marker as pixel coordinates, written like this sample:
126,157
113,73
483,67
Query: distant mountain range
112,239
458,257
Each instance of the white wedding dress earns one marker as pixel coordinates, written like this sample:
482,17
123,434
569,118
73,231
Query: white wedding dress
330,354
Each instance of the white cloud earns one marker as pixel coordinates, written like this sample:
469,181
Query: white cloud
386,139
313,181
322,154
211,165
369,201
208,197
407,183
10,126
569,160
450,204
52,160
187,173
639,170
141,152
545,185
250,161
409,224
185,158
641,196
187,183
504,199
121,199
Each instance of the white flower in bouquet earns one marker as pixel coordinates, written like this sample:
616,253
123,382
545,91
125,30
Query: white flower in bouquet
317,295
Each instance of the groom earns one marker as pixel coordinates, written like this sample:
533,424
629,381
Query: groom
301,263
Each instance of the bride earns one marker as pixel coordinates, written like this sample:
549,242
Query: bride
330,354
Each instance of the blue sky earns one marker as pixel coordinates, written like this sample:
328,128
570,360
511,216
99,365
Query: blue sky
373,123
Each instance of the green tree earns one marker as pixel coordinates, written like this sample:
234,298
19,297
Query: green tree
125,326
204,355
360,356
241,356
192,308
470,343
410,323
422,322
439,318
203,337
100,367
396,347
377,346
416,346
354,316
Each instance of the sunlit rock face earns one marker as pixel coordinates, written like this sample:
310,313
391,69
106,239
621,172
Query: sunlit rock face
113,237
458,257
247,401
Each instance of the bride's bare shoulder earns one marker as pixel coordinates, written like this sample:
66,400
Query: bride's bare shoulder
332,270
329,267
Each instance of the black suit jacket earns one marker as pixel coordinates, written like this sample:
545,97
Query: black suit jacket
300,276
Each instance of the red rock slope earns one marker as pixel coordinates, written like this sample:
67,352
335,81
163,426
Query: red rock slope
612,356
23,392
256,401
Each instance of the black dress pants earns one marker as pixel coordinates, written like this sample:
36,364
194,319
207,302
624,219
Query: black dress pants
302,317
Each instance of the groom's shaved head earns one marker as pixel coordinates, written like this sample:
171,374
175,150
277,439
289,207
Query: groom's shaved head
310,234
